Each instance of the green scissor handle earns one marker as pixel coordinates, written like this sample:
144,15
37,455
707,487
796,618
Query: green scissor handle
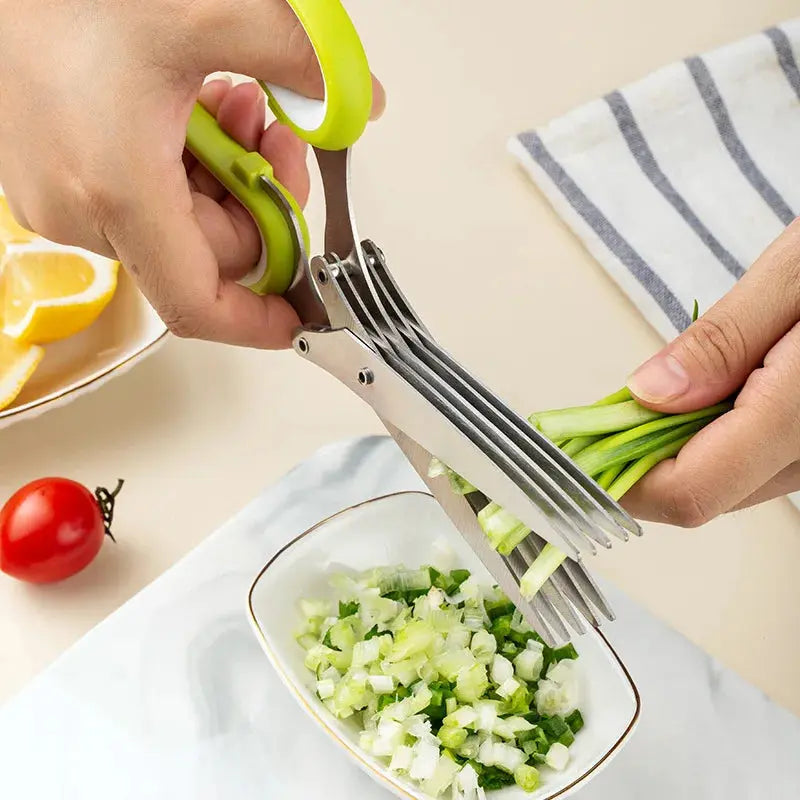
330,124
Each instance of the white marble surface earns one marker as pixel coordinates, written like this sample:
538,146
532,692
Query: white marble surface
171,696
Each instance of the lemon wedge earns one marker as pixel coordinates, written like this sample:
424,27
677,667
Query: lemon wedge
17,364
10,229
51,292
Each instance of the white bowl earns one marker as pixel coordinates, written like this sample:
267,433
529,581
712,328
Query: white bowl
126,332
401,528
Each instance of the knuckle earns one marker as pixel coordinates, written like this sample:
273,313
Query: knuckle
75,210
773,395
48,220
183,323
102,209
717,346
690,508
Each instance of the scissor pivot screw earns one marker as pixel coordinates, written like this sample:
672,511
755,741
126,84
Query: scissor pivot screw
322,276
302,345
365,376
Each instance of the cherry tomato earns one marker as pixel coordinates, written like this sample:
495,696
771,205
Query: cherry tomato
52,528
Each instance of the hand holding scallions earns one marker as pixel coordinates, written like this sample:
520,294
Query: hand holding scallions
747,344
708,425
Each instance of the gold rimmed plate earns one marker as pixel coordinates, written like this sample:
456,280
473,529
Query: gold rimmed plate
402,528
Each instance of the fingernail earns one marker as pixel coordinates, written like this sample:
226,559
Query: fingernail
378,101
223,78
661,378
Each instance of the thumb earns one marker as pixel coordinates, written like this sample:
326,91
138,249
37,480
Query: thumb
714,356
264,39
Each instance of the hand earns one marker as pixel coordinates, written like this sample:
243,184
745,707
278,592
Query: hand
94,103
748,342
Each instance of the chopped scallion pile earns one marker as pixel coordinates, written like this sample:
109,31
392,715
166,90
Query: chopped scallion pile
444,679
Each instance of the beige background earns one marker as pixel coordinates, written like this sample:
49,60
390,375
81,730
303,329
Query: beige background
199,429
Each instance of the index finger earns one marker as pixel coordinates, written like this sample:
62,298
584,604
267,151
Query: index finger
162,245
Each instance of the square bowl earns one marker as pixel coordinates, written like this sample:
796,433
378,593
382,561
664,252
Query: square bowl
401,529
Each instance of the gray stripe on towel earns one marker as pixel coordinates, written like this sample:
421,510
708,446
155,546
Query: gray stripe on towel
719,113
609,235
783,49
647,162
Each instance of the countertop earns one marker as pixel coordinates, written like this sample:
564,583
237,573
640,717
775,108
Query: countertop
172,696
199,429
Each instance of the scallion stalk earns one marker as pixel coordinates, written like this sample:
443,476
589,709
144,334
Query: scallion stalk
574,446
637,442
548,561
592,420
639,468
608,476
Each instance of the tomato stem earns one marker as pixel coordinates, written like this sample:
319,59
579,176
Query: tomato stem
106,500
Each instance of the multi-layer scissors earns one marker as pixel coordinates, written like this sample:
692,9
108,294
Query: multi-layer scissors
358,326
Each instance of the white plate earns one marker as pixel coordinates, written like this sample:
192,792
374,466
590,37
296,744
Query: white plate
401,528
127,331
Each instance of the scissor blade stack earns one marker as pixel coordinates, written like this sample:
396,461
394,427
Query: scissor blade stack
477,435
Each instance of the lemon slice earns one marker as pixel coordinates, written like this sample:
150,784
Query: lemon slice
10,229
17,364
51,292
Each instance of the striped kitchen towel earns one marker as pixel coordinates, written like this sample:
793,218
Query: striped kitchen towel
677,183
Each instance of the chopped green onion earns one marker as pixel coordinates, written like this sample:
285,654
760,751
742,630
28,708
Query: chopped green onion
457,483
539,572
575,721
452,738
499,524
557,757
452,690
527,778
567,651
348,609
405,580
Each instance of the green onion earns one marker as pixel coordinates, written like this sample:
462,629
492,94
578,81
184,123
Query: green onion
636,471
617,442
592,420
527,778
574,720
549,560
510,541
348,609
574,446
499,524
637,442
608,476
567,651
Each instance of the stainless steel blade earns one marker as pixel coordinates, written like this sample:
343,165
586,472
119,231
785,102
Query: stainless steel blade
463,518
597,508
393,398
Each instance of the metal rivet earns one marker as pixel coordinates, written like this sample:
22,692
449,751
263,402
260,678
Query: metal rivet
322,277
365,376
302,345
